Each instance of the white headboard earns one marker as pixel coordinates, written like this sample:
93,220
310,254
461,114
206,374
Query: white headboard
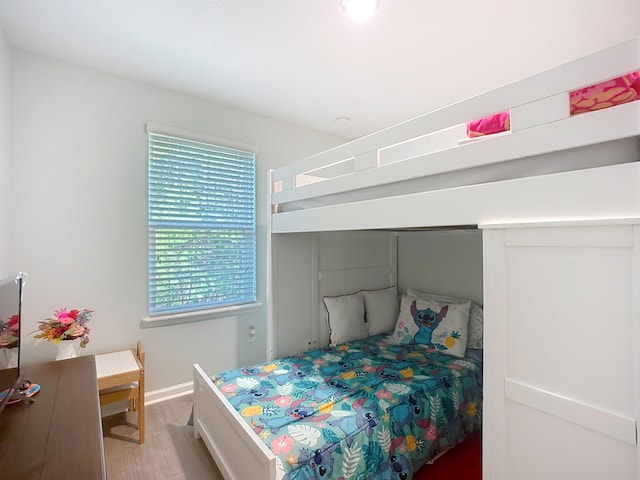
309,266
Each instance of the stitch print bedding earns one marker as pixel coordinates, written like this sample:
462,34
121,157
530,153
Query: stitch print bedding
366,409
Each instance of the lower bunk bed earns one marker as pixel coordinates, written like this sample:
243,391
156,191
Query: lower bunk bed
372,408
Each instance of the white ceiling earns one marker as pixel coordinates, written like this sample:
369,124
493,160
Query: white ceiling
305,62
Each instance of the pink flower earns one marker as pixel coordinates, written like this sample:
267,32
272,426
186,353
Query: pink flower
61,313
228,388
13,322
368,368
283,401
431,433
63,316
282,444
383,394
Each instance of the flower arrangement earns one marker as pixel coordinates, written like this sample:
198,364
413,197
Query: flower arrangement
66,325
9,332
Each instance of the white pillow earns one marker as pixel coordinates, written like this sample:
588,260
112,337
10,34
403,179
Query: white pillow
475,314
443,326
345,315
381,309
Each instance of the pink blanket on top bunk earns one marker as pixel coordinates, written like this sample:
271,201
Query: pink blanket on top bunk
594,97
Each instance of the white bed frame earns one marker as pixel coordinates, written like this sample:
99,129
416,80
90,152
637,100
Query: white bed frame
237,450
545,193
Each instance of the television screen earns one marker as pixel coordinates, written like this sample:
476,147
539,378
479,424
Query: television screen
10,309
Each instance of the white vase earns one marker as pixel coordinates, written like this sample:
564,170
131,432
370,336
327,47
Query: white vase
8,357
68,349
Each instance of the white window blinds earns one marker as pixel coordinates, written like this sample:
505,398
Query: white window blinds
202,226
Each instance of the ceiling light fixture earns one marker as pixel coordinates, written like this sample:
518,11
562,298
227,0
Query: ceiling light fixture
360,9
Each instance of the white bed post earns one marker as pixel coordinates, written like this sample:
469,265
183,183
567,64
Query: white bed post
494,368
271,327
636,332
317,309
393,259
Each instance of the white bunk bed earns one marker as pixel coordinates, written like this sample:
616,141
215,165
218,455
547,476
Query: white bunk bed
558,201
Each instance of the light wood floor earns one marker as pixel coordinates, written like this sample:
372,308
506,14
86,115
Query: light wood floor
170,450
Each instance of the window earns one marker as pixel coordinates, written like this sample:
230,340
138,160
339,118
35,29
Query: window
202,225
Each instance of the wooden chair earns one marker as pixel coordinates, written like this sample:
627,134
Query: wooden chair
121,378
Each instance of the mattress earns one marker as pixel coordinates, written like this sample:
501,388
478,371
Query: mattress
363,409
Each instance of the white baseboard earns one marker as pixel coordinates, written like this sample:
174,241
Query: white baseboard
154,396
168,393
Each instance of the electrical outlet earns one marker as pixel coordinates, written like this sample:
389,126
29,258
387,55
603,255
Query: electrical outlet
251,333
307,345
314,343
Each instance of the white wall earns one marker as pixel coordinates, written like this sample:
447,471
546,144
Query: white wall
448,262
80,167
294,277
5,173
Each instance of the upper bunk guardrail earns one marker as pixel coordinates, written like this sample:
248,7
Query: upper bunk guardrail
534,101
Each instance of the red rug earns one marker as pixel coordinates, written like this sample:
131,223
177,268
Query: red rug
463,462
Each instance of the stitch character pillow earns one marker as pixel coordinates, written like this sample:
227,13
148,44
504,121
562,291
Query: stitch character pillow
436,325
475,314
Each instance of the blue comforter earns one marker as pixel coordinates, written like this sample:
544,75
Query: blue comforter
363,410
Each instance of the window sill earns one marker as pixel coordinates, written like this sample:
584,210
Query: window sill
198,316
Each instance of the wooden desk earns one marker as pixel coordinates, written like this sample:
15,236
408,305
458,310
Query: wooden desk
59,436
118,373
